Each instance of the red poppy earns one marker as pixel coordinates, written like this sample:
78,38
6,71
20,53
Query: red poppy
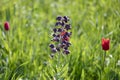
6,26
105,44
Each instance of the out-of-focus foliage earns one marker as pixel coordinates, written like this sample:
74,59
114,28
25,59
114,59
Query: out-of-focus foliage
24,49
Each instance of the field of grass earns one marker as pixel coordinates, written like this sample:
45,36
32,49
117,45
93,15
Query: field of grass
25,52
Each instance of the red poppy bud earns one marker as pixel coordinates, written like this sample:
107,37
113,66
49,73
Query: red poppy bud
105,44
6,26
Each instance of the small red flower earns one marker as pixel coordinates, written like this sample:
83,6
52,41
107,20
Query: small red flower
105,44
6,26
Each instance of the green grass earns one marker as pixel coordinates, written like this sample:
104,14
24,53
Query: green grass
24,50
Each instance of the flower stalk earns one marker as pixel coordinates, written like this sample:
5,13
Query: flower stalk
61,36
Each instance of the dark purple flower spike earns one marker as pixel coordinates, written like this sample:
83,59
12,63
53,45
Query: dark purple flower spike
61,35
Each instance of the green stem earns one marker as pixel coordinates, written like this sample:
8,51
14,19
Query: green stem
7,33
58,66
104,55
102,64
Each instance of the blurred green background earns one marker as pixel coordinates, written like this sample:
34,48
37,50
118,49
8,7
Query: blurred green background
24,49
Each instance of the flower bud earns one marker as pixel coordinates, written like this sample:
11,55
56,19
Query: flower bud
105,44
6,26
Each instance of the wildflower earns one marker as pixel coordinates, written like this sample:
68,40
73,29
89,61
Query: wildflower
54,35
59,30
61,35
67,27
59,18
54,50
51,45
58,24
66,51
55,30
66,19
6,26
105,44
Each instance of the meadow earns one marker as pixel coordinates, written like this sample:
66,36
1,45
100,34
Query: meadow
25,52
